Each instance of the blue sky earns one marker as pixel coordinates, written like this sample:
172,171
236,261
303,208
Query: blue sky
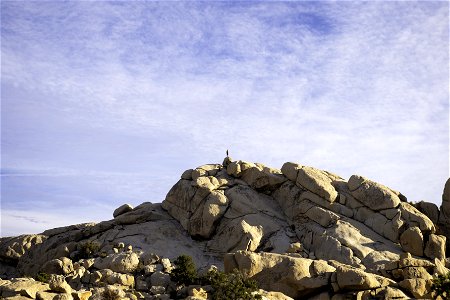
105,103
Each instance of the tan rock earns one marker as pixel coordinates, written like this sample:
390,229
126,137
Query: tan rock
391,229
198,293
210,169
61,266
108,292
178,201
412,241
416,272
237,235
323,217
372,194
418,287
43,295
440,267
275,296
355,279
435,247
204,220
388,293
267,178
414,262
27,287
290,170
317,182
226,161
205,185
234,169
17,297
414,217
58,284
14,247
119,262
294,277
295,248
167,265
111,277
287,196
198,172
81,295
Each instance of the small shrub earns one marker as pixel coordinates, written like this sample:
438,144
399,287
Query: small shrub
42,277
226,286
88,249
111,294
233,285
441,286
185,271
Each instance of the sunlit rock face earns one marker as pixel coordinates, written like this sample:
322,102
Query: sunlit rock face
298,231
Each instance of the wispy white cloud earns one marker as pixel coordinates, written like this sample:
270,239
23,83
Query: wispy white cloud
352,87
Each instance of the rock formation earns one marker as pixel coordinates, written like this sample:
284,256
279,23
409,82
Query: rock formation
300,232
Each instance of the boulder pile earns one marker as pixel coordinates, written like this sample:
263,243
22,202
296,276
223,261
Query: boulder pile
299,232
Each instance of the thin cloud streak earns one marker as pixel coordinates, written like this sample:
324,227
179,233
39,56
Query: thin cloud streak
350,87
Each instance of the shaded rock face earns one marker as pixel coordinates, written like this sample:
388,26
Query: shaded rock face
298,231
444,214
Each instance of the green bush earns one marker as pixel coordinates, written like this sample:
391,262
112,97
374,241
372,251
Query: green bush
185,271
42,277
226,286
233,285
441,286
88,249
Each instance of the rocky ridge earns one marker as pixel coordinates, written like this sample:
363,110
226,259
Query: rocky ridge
300,232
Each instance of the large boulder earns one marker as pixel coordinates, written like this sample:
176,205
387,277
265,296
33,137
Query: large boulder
429,209
374,195
119,262
318,182
294,277
26,287
435,247
205,218
418,287
412,241
348,278
237,235
58,284
122,209
61,266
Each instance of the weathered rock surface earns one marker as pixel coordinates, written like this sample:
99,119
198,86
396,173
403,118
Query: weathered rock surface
299,232
122,209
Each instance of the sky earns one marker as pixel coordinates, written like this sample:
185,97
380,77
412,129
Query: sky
105,103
